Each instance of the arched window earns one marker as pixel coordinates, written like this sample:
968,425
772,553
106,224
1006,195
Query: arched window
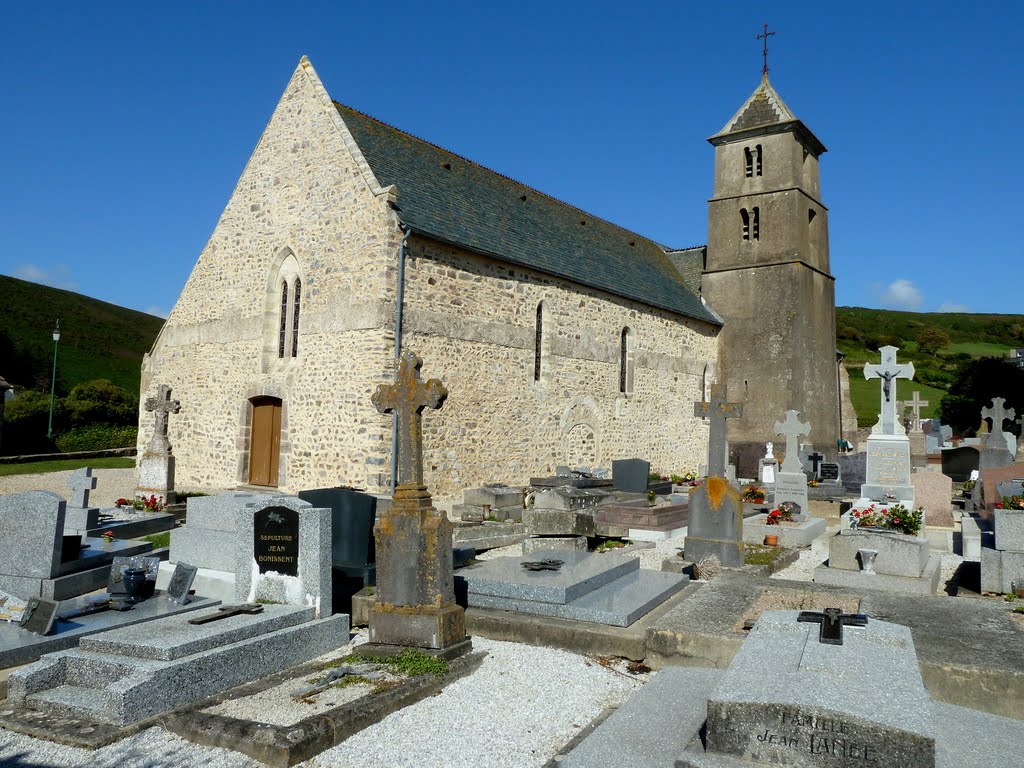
757,160
284,319
745,223
626,361
296,301
538,341
748,159
755,224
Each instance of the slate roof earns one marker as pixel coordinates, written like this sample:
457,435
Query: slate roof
689,263
457,201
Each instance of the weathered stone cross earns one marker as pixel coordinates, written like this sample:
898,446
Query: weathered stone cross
407,398
916,404
888,371
81,482
718,410
998,414
793,429
161,406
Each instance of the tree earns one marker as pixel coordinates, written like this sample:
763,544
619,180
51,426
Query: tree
99,402
932,339
975,385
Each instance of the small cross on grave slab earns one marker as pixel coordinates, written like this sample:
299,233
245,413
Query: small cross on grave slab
718,410
407,398
81,482
832,621
888,371
226,611
792,429
998,413
816,459
160,406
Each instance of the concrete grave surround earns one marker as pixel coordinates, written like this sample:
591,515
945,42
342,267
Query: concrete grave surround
933,492
990,479
903,563
1002,563
312,586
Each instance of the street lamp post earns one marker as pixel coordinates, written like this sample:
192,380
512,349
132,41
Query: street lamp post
53,379
839,391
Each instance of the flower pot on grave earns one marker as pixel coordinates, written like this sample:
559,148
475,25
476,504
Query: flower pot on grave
771,540
134,583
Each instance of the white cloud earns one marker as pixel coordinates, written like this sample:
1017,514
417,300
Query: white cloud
58,277
902,294
157,311
949,306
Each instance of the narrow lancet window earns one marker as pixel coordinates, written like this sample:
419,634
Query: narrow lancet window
284,319
745,223
748,158
755,224
296,301
757,160
538,339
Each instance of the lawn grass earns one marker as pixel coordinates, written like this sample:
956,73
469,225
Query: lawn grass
866,395
977,349
60,465
159,540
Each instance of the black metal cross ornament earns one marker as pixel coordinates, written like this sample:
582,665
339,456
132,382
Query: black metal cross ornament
764,36
832,621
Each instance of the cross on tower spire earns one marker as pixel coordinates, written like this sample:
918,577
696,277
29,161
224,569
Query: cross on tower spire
764,36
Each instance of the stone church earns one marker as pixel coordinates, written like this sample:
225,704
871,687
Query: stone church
562,338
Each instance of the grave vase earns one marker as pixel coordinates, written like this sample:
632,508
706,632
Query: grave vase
135,583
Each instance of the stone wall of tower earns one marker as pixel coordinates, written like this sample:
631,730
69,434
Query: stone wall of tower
773,288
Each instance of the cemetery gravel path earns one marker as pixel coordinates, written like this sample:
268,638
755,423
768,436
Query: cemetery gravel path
517,710
111,484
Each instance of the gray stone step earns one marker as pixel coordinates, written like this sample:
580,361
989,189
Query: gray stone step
618,603
581,572
624,739
71,701
174,637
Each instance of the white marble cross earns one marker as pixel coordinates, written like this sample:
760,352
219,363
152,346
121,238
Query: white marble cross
998,414
81,482
888,371
793,429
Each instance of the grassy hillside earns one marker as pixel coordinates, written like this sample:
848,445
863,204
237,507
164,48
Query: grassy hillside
860,332
97,341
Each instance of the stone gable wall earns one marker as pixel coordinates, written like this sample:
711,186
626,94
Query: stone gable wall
301,192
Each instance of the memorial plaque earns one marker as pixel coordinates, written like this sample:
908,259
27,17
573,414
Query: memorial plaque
828,471
39,615
181,582
276,540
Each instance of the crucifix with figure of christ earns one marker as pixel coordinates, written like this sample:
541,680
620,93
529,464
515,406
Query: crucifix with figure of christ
407,398
161,405
718,410
888,371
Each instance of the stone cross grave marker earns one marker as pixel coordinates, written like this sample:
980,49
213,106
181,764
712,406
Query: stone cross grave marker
916,404
792,429
407,398
832,621
718,410
888,371
816,458
81,482
161,405
998,414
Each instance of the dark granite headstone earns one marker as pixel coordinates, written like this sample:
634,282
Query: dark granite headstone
631,475
276,540
746,457
39,615
352,516
828,471
181,582
853,469
71,548
958,463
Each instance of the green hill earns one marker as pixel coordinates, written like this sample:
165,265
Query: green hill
97,340
935,343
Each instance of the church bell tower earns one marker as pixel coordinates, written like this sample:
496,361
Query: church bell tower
767,273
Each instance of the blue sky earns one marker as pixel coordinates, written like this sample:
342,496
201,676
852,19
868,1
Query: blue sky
126,124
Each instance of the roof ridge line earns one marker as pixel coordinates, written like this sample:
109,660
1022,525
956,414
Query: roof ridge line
502,175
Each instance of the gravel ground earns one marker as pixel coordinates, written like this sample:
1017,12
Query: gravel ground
516,711
111,484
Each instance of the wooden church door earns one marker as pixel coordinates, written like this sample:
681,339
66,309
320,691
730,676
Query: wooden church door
265,441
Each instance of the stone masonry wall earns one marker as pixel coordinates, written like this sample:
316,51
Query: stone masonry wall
302,192
473,321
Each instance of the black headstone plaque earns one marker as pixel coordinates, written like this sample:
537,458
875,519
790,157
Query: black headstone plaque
276,540
39,615
828,471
